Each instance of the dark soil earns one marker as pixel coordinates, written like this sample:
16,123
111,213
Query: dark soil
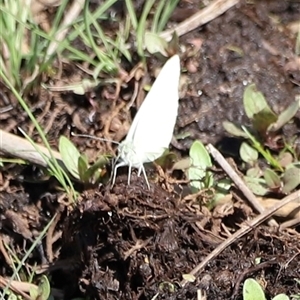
132,243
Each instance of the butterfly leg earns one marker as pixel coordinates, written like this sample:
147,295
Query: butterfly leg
129,174
114,175
121,164
142,168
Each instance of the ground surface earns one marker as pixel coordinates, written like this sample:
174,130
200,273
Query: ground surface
131,243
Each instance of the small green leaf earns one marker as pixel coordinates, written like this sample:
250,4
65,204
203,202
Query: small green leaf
256,185
33,292
263,119
70,155
13,297
285,159
200,161
44,288
42,292
264,152
254,172
252,290
93,173
281,297
234,130
254,101
166,161
224,185
248,154
291,179
82,167
257,109
285,116
182,164
272,179
155,44
199,155
222,189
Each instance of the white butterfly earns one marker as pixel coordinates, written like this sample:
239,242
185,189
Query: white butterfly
152,128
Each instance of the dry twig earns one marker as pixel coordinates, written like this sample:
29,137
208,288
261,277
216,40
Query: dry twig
204,16
238,181
240,233
16,146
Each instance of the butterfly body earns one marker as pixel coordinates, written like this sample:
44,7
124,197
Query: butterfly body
152,128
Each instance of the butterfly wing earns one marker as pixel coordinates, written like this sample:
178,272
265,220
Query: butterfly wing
152,128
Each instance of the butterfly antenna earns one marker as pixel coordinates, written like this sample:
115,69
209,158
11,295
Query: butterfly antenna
94,138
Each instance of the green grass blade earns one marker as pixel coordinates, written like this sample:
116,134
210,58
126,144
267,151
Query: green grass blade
23,260
132,14
167,12
142,27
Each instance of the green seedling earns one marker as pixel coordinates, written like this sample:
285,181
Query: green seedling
42,292
197,168
198,172
154,43
77,164
283,176
54,167
252,290
19,269
37,292
264,121
149,39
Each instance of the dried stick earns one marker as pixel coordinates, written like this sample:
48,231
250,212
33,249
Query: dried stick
16,146
204,16
238,181
241,232
19,287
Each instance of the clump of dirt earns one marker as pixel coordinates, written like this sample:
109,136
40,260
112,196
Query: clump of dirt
131,243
